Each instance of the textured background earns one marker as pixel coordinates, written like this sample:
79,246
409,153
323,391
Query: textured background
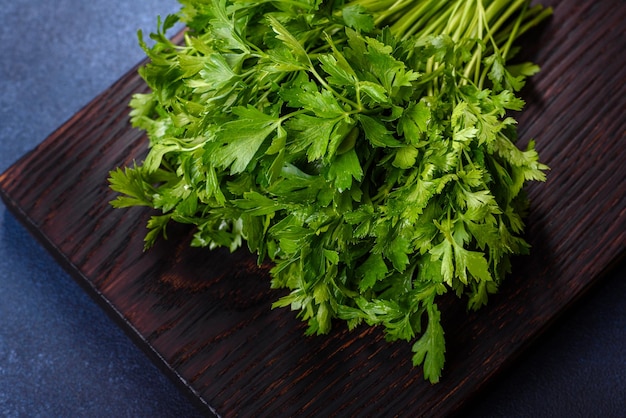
61,356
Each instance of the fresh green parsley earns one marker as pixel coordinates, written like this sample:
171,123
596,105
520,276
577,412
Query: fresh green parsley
366,148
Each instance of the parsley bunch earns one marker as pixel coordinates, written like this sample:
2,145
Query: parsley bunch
365,147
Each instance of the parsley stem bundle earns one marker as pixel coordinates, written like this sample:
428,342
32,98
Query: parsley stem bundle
366,148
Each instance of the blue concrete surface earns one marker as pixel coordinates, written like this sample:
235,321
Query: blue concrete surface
61,356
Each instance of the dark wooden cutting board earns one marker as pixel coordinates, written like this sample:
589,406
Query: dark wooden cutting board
205,318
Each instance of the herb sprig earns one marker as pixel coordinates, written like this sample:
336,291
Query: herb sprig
365,147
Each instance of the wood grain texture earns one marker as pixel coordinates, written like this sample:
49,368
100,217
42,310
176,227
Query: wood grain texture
205,318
